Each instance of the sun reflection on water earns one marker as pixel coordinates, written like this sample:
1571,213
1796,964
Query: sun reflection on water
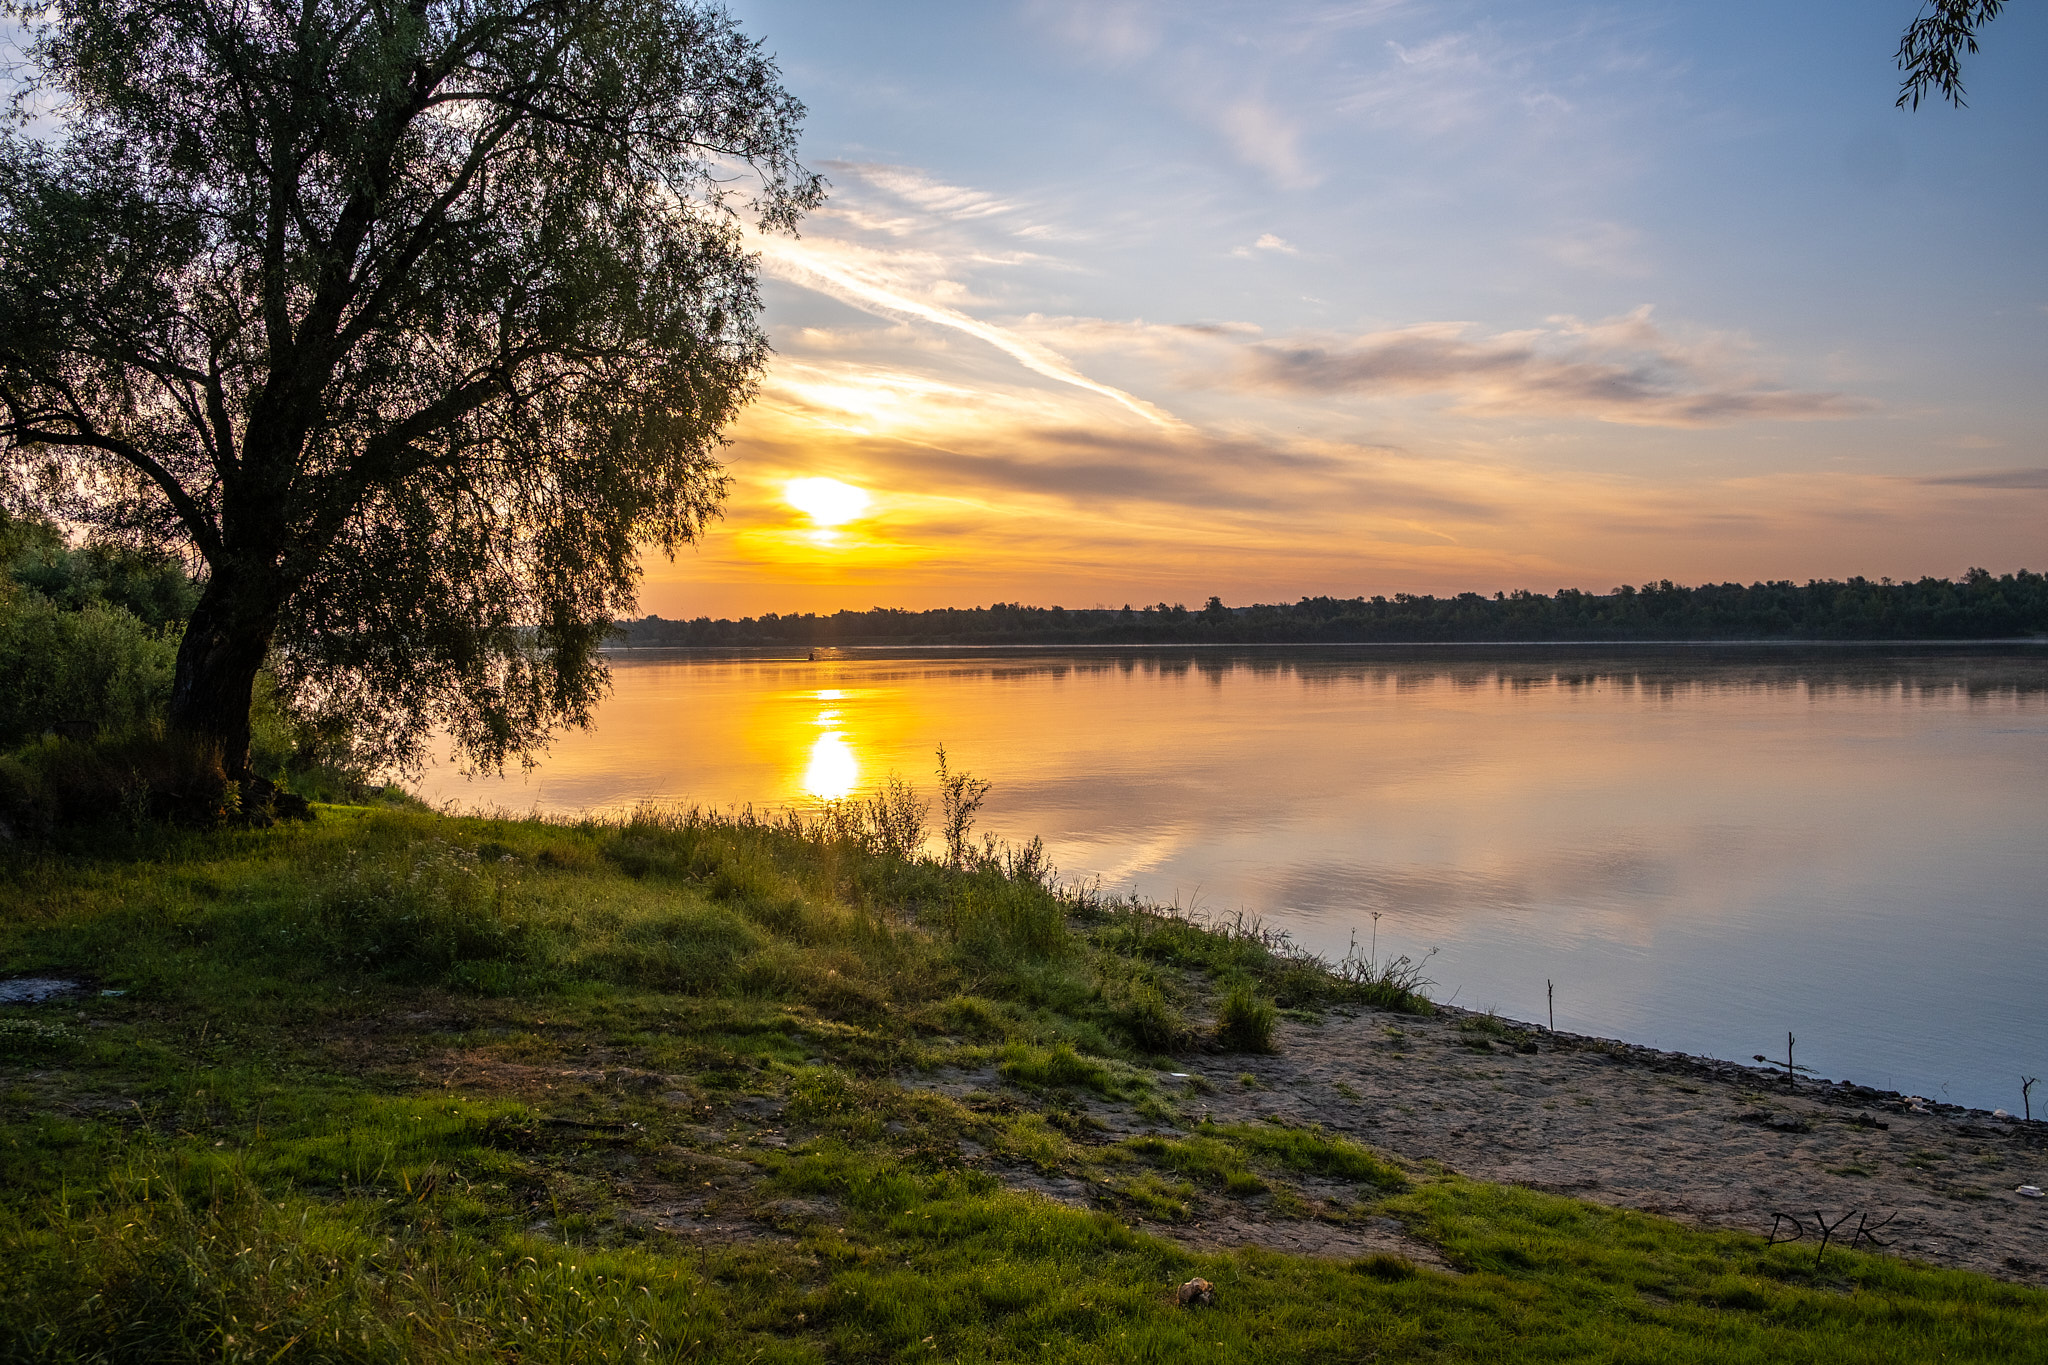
834,771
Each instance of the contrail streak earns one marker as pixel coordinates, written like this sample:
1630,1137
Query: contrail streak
795,262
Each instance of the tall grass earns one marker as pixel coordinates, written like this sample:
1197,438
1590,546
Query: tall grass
1242,947
419,917
161,1269
1245,1021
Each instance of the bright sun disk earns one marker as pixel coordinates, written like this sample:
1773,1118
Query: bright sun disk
828,502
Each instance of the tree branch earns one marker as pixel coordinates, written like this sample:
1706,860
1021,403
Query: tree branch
1930,50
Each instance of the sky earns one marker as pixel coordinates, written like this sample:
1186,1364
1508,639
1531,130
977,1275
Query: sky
1132,301
1119,301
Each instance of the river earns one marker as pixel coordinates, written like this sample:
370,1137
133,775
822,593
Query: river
1700,848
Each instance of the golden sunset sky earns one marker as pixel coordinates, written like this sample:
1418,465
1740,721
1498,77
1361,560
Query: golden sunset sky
1131,302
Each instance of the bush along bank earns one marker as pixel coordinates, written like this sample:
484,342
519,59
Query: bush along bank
402,1086
88,647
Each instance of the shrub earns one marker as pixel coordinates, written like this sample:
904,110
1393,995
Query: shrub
895,819
960,796
1245,1023
21,802
149,585
315,757
125,781
78,673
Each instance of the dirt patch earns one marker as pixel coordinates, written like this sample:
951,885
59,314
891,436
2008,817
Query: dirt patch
480,1071
717,1213
1711,1143
1308,1237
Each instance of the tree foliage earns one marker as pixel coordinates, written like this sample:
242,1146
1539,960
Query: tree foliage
152,587
1932,47
412,322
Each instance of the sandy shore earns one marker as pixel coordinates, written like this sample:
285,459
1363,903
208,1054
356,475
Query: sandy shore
1706,1142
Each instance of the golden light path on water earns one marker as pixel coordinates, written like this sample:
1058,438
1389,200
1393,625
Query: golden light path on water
833,772
1703,851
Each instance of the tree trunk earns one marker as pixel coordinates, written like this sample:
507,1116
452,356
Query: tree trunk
224,647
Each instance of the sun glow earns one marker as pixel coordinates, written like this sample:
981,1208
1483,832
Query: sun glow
828,502
834,771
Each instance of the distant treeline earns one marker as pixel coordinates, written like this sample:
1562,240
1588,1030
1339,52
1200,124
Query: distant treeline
1980,605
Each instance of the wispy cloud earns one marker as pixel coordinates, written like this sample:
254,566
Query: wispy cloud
1266,137
1105,32
1620,370
872,282
1212,66
2006,479
977,499
1279,86
1333,296
1598,247
1440,84
1438,77
932,196
1623,369
1268,242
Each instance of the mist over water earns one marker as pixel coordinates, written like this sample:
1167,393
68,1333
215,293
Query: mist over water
1702,847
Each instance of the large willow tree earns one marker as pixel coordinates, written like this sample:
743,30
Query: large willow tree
411,320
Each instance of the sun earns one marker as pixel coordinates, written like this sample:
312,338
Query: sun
828,502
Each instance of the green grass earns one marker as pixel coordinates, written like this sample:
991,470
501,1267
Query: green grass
1312,1150
1057,1067
400,1087
1245,1022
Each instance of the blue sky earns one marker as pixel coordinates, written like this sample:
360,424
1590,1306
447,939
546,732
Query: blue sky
1137,301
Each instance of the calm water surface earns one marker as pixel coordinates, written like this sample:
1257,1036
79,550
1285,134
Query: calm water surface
1701,848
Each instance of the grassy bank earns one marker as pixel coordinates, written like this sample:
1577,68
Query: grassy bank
398,1086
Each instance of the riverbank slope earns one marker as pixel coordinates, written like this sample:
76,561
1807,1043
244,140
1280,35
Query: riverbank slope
397,1085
